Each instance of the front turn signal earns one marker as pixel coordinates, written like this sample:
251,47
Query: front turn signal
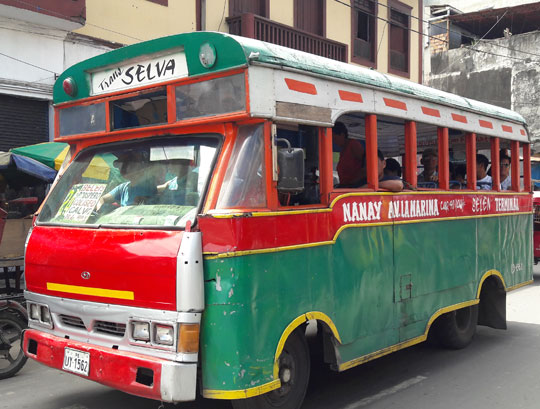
188,338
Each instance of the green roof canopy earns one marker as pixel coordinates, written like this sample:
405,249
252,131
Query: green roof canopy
234,51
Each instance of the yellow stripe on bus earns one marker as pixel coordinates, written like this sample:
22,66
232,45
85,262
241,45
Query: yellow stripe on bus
98,292
242,393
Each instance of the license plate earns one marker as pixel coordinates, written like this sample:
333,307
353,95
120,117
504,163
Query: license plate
76,361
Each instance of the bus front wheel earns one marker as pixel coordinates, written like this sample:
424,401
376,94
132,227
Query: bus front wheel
294,367
456,329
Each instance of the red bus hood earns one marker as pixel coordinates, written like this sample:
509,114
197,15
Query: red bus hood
114,266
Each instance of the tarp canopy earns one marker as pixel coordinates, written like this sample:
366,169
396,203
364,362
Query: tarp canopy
19,170
51,154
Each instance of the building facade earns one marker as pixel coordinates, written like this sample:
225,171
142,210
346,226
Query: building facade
384,34
37,43
491,55
41,38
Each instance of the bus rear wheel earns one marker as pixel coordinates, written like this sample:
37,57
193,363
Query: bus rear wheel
294,367
456,329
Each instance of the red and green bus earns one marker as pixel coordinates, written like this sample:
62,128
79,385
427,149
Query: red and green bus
198,224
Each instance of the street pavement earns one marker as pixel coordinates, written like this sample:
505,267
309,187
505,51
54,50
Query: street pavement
500,369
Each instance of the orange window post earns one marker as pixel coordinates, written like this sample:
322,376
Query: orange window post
371,151
326,175
270,184
515,165
444,167
171,104
495,165
470,139
527,167
410,153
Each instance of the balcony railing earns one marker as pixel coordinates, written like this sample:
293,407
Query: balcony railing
260,28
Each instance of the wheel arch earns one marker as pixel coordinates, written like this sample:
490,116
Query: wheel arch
491,296
297,322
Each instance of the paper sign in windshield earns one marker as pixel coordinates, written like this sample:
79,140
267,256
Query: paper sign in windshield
80,202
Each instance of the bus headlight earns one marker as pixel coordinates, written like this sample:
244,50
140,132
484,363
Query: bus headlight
140,331
34,312
40,314
45,315
163,334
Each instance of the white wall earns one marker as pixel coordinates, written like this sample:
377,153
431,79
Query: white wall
32,56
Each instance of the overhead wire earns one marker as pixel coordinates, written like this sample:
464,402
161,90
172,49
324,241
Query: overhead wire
337,1
28,63
472,48
527,60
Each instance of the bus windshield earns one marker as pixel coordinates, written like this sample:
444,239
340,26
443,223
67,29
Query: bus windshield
159,182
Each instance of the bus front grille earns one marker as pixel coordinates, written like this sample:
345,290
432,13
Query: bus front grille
110,328
72,321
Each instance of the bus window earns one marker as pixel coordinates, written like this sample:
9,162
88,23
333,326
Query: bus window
349,151
484,168
243,185
505,164
82,119
457,143
391,146
158,182
427,156
213,97
149,108
306,138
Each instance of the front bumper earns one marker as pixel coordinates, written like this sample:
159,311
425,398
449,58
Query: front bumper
130,372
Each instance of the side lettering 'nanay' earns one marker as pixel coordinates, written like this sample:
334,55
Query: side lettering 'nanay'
368,209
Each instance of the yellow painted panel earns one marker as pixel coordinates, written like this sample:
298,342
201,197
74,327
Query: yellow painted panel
98,292
137,20
282,11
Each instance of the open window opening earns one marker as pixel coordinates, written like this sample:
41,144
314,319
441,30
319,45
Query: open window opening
298,151
457,157
349,151
356,134
427,156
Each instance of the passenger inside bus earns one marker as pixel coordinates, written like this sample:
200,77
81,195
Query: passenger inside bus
351,167
388,182
140,185
504,163
483,180
458,176
393,168
181,185
430,162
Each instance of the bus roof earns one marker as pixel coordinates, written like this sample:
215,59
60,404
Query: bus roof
234,51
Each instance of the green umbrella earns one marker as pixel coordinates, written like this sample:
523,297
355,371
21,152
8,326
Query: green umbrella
51,154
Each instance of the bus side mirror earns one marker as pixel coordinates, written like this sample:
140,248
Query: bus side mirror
290,169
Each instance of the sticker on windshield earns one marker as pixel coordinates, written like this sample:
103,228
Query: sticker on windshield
80,202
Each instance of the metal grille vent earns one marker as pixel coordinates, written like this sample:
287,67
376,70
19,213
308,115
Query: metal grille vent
111,328
71,321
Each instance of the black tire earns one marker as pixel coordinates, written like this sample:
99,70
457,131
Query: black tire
456,329
294,368
12,357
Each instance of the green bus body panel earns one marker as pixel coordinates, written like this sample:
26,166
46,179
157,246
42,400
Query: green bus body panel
235,51
360,283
